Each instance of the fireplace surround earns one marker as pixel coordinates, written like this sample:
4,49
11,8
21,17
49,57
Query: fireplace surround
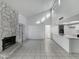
7,42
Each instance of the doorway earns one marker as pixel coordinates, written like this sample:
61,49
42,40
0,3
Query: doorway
47,32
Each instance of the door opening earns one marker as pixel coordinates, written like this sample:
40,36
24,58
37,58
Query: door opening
47,32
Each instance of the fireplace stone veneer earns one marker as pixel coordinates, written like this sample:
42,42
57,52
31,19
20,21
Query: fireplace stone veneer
8,25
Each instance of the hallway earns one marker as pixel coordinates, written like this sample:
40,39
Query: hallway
41,49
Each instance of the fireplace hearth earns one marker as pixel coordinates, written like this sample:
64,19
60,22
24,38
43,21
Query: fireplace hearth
8,41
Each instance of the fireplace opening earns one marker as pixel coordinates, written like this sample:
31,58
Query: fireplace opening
8,41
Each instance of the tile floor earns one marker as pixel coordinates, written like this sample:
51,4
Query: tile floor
42,49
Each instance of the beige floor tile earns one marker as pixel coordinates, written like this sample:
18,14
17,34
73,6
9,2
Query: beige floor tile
39,49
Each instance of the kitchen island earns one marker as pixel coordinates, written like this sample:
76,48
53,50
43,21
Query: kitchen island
67,41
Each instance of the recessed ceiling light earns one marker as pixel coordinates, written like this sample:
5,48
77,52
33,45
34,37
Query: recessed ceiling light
38,22
59,2
43,19
52,11
48,15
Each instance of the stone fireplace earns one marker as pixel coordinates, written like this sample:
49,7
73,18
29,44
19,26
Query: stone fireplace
8,26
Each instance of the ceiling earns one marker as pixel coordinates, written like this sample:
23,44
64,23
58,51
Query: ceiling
34,10
30,8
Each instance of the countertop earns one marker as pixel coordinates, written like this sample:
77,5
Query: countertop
68,36
72,37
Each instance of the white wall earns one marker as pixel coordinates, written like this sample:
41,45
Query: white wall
35,32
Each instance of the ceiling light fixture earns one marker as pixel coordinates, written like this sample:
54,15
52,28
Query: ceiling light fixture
38,22
52,11
59,2
48,15
43,19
